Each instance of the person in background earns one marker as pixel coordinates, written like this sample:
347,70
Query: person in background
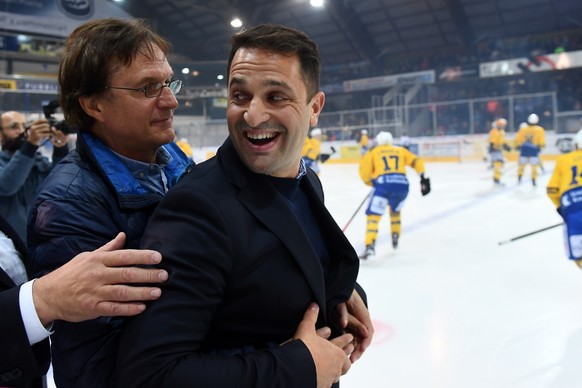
530,140
565,191
22,167
405,140
489,149
312,149
384,168
540,163
185,146
262,291
364,141
117,88
497,145
90,285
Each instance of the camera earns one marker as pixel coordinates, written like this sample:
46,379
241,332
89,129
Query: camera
49,110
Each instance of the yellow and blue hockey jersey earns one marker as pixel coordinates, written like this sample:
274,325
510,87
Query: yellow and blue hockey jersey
311,148
565,185
532,136
496,139
386,160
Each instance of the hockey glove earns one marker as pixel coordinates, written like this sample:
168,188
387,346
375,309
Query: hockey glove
506,147
424,185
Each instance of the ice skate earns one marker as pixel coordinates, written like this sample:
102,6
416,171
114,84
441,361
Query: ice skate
395,240
368,252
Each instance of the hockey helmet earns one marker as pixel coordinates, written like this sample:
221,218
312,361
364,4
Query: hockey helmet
383,138
500,123
533,119
316,132
364,132
522,125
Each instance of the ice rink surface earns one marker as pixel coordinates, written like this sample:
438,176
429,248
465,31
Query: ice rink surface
451,307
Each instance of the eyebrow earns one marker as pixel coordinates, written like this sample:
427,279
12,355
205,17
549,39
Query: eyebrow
152,80
266,82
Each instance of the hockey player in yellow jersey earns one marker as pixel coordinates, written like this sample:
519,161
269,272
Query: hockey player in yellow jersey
530,140
384,168
565,191
364,141
497,145
184,146
312,149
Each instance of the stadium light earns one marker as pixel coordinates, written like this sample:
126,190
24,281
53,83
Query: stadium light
316,3
236,22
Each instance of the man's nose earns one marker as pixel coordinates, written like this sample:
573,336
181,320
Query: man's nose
256,113
167,99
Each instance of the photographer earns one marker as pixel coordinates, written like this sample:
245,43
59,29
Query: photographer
22,167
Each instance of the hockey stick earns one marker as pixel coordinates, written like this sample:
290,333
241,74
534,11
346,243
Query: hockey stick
324,157
357,210
530,233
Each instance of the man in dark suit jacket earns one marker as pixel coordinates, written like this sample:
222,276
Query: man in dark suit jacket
20,364
74,292
250,246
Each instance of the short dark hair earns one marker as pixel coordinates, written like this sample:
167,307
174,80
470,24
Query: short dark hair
93,51
283,40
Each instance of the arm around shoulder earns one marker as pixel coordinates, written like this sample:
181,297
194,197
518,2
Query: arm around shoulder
19,362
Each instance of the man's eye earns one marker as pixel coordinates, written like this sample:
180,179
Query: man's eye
277,97
153,87
238,96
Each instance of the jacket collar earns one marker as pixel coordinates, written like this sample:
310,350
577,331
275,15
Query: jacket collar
130,192
272,210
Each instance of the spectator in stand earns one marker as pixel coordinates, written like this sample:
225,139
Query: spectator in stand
22,167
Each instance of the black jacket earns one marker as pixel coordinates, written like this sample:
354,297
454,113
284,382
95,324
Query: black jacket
21,365
242,274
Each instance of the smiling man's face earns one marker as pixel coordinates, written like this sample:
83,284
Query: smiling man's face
268,113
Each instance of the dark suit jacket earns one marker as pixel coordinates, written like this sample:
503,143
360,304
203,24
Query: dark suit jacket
242,274
20,364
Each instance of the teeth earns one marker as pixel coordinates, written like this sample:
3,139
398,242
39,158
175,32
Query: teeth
260,136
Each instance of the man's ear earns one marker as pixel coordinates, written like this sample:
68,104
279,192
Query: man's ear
91,106
317,103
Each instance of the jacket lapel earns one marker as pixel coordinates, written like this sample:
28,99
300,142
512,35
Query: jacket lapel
5,281
271,209
344,263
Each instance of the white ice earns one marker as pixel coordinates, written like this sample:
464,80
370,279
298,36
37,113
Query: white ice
451,307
